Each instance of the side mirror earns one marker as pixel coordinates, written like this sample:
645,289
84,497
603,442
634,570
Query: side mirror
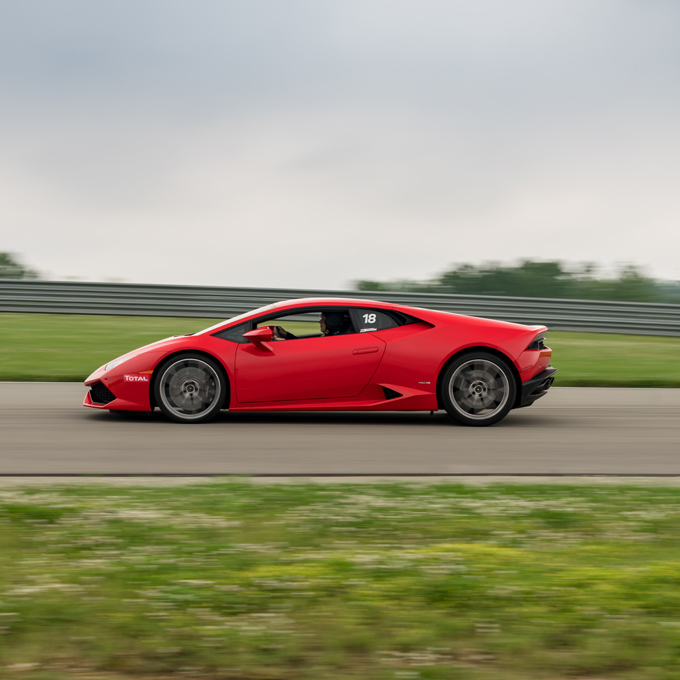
259,335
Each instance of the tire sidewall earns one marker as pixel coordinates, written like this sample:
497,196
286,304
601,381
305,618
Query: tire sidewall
216,406
448,375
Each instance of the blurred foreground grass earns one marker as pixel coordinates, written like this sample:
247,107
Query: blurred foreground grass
380,581
70,347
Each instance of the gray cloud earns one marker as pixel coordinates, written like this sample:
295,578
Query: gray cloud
310,143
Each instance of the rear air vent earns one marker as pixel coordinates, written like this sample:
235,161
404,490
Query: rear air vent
100,394
390,394
538,343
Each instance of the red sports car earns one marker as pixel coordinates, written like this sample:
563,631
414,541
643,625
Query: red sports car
362,356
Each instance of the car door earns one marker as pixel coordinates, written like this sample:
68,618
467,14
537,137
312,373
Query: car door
333,367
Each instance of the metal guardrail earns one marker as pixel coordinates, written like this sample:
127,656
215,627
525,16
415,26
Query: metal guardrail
68,297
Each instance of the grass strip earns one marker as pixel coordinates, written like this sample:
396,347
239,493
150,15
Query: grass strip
58,347
381,581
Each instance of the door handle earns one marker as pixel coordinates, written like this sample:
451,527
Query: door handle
365,350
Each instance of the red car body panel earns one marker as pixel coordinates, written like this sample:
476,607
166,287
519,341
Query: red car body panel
338,368
344,372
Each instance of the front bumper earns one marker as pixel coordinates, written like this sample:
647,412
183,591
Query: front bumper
537,387
118,391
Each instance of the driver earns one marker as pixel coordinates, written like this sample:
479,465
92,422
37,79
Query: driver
331,322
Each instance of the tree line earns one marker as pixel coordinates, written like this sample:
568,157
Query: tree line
12,268
530,278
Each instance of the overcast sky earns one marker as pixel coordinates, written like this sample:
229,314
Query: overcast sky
310,143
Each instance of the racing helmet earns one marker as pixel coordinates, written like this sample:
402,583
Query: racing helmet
336,322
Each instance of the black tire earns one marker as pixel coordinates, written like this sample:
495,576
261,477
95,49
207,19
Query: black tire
478,389
190,388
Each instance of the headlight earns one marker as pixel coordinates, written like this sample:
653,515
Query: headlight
115,362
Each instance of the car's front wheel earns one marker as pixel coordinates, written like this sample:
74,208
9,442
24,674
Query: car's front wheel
478,389
190,388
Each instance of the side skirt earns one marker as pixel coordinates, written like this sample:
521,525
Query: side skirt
411,400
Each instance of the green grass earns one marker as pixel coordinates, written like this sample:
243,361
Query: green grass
609,360
70,347
336,581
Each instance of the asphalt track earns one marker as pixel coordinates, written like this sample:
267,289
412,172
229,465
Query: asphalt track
572,431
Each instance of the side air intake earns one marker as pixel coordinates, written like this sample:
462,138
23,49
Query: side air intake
390,394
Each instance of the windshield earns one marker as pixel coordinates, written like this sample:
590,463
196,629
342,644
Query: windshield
259,310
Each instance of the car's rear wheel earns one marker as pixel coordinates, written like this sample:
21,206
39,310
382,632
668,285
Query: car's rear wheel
478,389
190,388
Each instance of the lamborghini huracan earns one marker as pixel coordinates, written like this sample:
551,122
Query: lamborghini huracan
334,354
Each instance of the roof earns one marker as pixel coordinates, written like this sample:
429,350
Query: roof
320,302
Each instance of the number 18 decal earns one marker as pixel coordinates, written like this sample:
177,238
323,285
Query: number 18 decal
369,318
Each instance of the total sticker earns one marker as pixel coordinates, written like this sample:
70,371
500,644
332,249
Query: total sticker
136,378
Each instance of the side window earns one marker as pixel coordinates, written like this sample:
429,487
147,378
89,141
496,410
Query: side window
301,321
235,333
295,325
304,323
366,320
